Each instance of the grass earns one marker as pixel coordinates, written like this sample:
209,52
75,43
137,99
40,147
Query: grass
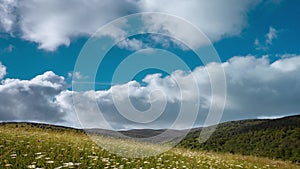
32,147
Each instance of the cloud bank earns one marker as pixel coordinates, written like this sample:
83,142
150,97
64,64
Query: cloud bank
54,23
255,88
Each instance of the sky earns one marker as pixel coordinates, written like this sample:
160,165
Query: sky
43,44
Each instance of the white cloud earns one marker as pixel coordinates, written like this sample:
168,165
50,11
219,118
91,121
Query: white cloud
269,37
54,23
2,70
76,75
8,18
288,64
131,44
217,19
32,100
270,117
256,88
166,42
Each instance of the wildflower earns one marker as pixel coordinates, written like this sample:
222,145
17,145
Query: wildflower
31,166
58,167
8,165
13,155
239,166
69,164
39,157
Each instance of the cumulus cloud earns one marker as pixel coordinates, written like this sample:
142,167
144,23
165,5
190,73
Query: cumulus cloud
32,100
2,70
256,88
269,37
54,23
217,19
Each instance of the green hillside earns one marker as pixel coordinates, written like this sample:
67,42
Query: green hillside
275,139
26,145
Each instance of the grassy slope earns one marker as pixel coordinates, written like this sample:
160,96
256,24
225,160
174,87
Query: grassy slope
28,146
279,138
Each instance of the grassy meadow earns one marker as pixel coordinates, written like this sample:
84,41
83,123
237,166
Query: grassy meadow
26,146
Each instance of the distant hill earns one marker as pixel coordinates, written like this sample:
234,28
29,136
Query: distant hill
277,138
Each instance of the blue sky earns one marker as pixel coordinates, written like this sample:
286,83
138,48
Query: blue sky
45,36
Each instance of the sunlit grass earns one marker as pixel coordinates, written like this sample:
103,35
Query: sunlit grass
31,147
